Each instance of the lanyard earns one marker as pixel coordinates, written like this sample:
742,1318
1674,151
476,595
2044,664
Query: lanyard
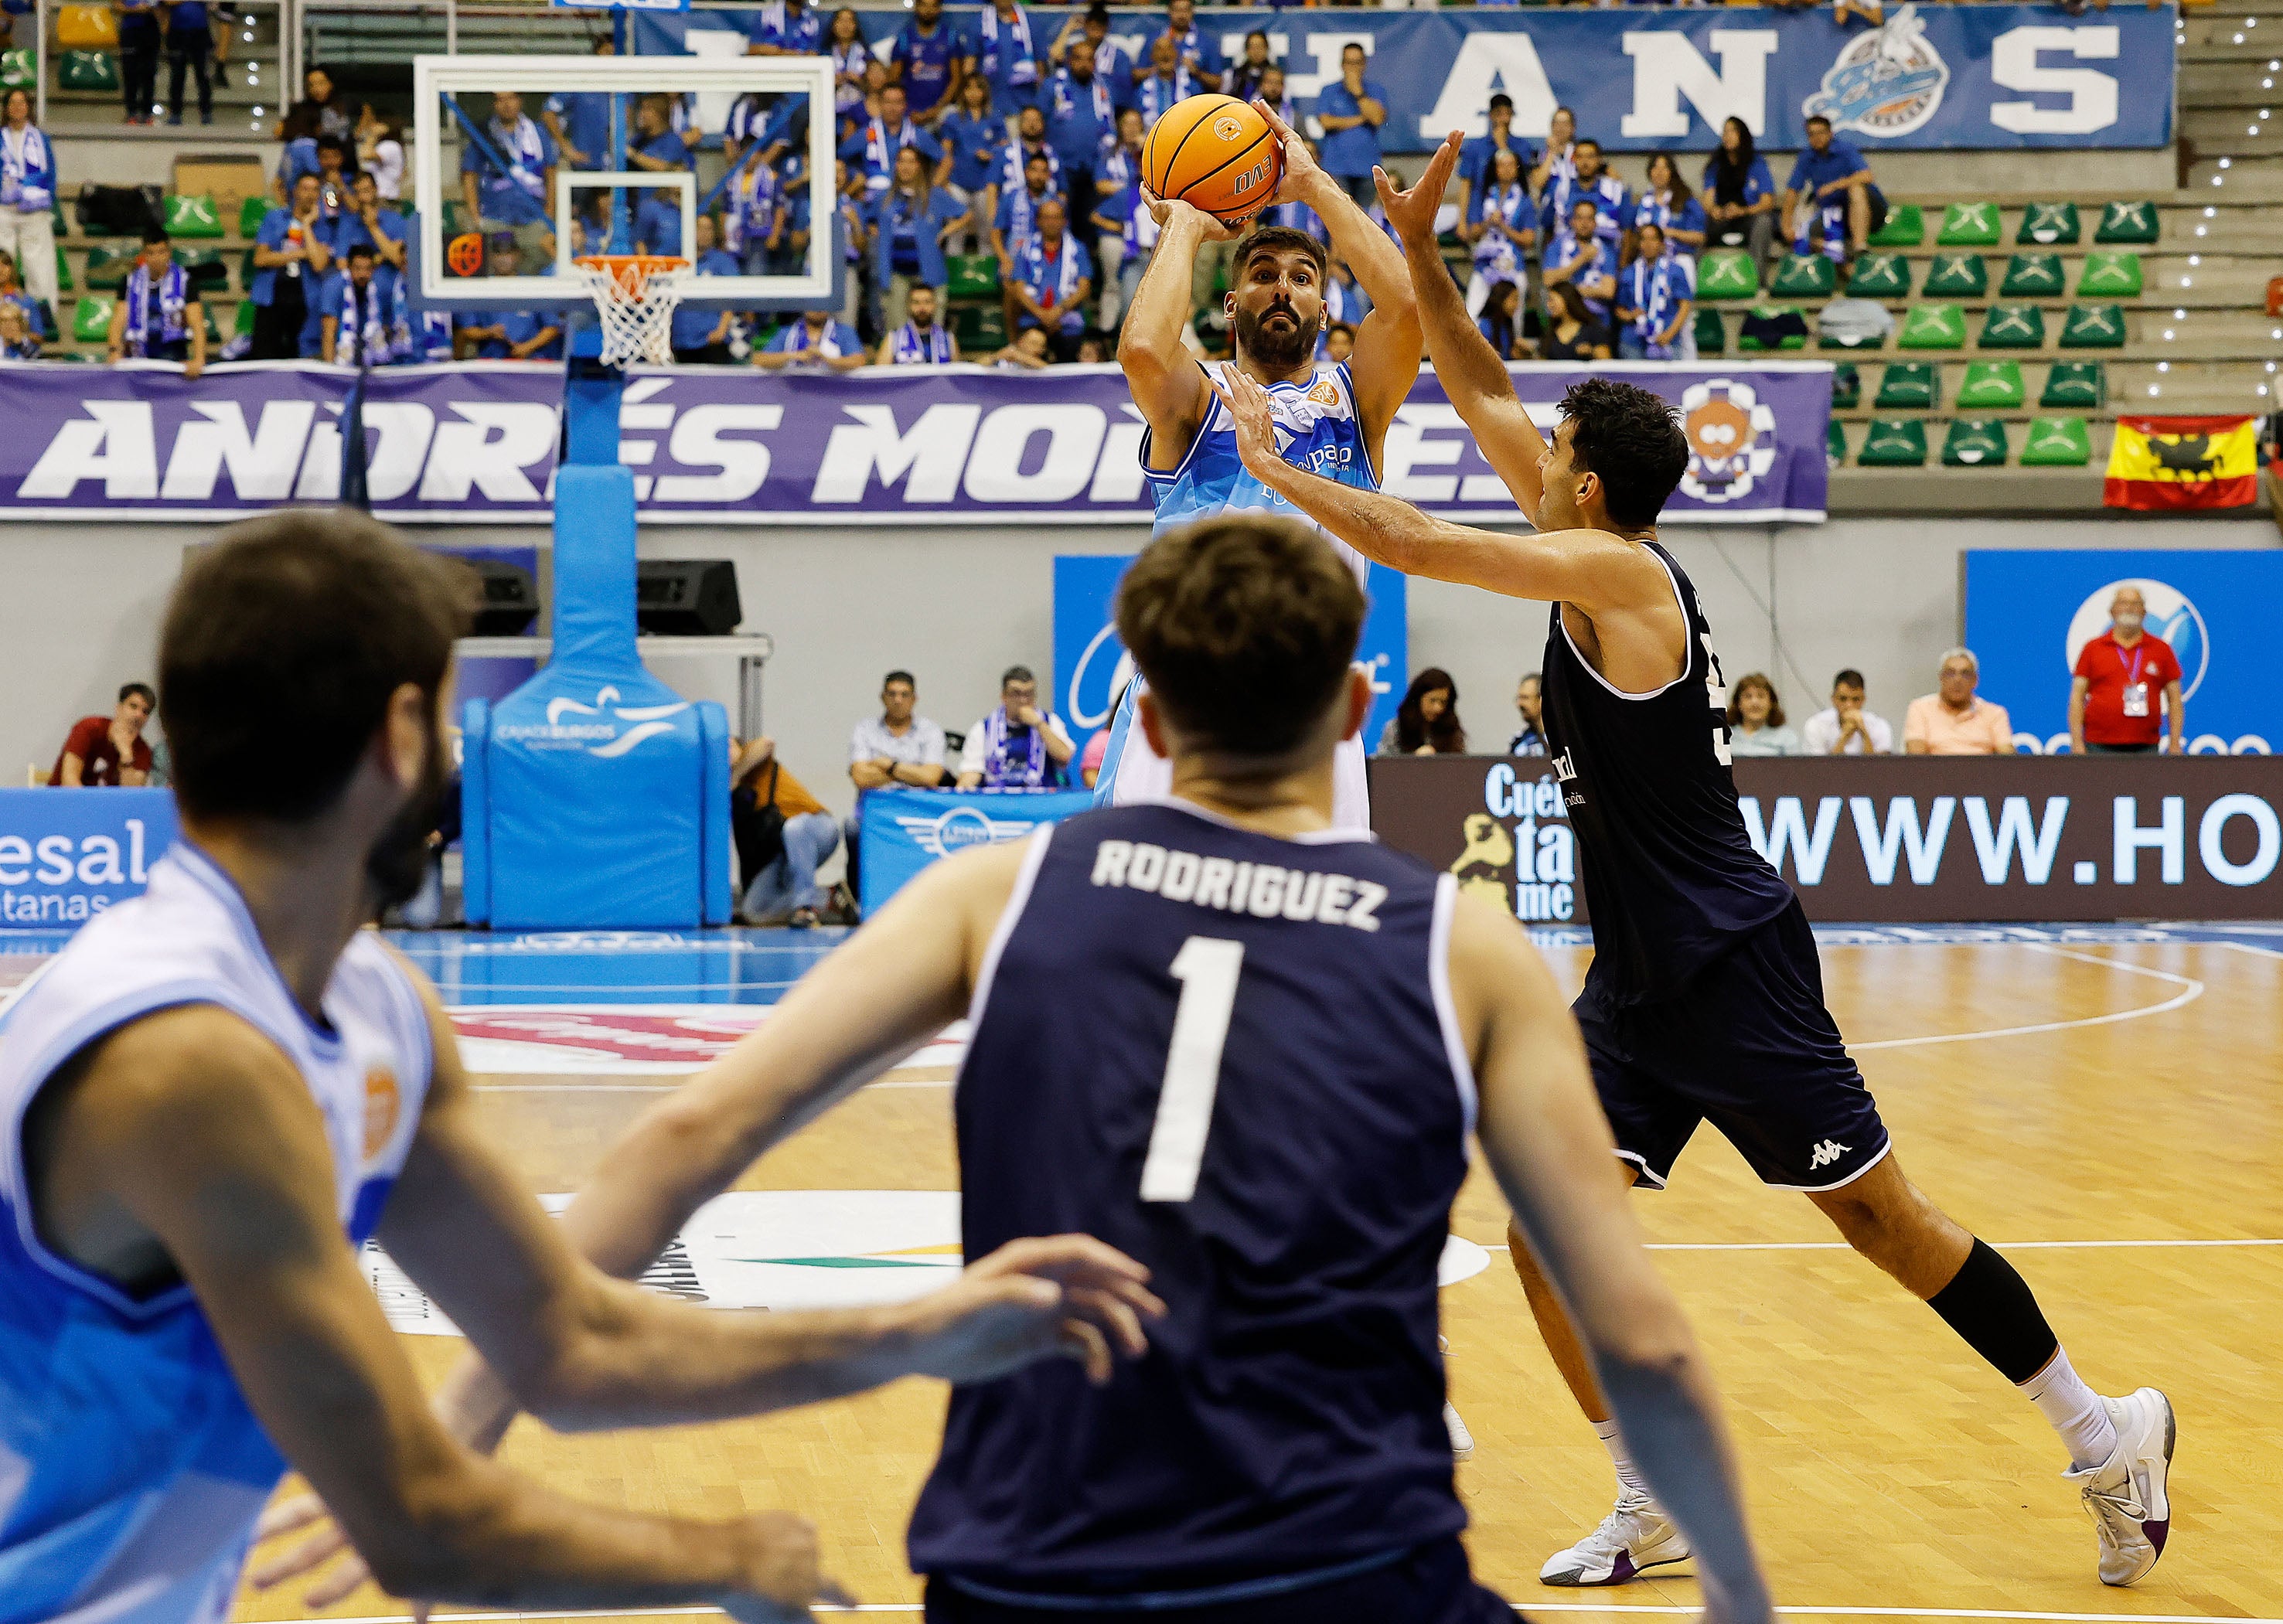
2133,672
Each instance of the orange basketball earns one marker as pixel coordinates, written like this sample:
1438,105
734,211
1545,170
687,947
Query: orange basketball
1214,153
465,255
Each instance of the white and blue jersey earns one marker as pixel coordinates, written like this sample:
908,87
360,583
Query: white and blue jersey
1321,430
131,1469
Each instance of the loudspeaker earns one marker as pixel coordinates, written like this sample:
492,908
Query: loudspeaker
687,597
509,601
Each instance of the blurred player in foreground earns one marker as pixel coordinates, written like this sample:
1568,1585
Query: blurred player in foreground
1705,995
1247,1047
209,1096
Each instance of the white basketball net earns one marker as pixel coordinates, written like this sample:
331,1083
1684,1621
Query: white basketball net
635,300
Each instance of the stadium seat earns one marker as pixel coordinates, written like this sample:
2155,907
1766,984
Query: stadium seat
193,216
1893,443
241,325
1835,442
1711,333
1745,339
1846,387
251,214
86,27
16,70
94,70
1804,276
2014,327
2079,384
2057,442
1880,275
1991,386
456,219
2049,223
1974,443
2127,222
107,268
1905,226
2109,273
1969,225
979,328
91,318
2094,327
1909,386
1957,275
1727,273
63,270
973,276
47,322
1932,327
205,266
2033,276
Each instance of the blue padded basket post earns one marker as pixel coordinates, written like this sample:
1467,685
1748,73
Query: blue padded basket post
475,812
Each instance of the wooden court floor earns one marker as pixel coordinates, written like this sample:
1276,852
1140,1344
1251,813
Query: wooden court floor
2110,1115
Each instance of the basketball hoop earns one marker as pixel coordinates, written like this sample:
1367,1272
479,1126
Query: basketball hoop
635,295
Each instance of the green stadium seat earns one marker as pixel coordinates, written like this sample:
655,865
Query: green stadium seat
1957,275
1991,386
1880,275
1974,443
107,269
16,69
2057,442
974,275
1893,443
2047,224
2109,273
2033,276
251,214
205,266
63,270
47,321
2128,223
1905,226
2094,327
214,333
242,325
1969,225
979,328
2081,386
1909,386
1727,273
1711,332
95,72
2014,327
1835,443
91,318
1791,341
457,222
1932,327
1846,387
1804,276
192,216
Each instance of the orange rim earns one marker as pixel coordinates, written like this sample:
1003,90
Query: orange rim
630,271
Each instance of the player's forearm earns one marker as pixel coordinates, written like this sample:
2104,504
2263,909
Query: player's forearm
1390,532
1152,333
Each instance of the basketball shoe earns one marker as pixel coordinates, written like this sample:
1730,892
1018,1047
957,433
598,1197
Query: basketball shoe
1462,1441
1633,1538
2132,1513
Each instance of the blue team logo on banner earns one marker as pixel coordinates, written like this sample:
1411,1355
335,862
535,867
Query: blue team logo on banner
1887,83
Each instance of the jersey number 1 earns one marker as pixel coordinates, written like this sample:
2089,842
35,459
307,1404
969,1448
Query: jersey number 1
1207,969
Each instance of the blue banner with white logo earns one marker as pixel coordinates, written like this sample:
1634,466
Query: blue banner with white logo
2028,614
1640,78
1091,664
67,855
904,830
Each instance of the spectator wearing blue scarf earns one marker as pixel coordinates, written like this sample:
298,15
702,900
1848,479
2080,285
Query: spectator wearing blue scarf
788,28
27,195
1654,300
1017,746
702,336
1003,50
1053,278
877,142
658,151
157,316
925,61
909,225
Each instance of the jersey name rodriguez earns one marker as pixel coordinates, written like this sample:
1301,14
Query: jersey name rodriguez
1263,889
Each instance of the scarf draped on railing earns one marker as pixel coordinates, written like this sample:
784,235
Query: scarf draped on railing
174,294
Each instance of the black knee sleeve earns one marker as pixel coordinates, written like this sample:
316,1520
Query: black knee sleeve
1991,1306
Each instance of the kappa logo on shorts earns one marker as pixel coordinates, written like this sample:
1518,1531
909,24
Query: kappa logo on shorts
1826,1154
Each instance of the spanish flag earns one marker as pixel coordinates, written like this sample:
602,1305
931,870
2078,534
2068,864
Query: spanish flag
2183,462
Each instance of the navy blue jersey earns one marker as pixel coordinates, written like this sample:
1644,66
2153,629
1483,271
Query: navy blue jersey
1671,880
1232,1057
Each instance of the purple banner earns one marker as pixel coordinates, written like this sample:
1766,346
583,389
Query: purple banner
476,444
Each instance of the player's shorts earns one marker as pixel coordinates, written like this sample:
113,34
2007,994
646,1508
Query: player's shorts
1431,1584
1749,1047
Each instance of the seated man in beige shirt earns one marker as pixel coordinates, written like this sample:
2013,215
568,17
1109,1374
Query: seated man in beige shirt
1953,722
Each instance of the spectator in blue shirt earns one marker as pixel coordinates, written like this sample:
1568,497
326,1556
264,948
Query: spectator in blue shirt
367,220
910,226
1003,49
189,46
1502,226
788,28
1831,205
507,180
1475,155
360,319
1018,213
1193,49
858,76
505,335
1588,176
1740,194
1666,202
878,140
816,341
291,258
1092,26
1164,81
923,339
1081,123
1582,257
702,336
1352,111
27,195
973,137
925,62
580,120
1653,295
657,149
1053,278
1244,79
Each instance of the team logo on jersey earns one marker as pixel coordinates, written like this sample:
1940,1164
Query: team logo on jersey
1325,394
1887,83
963,827
1732,439
2172,616
382,1102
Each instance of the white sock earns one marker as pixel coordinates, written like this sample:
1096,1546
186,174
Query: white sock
1629,1477
2074,1410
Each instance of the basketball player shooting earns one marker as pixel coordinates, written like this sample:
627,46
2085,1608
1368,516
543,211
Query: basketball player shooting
1705,996
1332,417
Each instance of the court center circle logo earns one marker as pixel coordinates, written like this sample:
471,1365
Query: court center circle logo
1731,440
2172,616
1887,81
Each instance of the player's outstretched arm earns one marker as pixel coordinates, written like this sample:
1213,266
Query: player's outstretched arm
1549,1146
1167,384
1473,375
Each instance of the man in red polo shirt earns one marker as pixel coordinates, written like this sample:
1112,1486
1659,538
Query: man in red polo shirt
2113,699
107,751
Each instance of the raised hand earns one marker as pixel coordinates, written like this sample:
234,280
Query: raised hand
1413,212
1168,211
1300,170
1255,425
1044,1296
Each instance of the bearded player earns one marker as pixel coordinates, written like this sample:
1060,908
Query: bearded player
1331,417
1705,996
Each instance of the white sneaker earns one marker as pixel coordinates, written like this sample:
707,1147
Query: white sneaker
2126,1493
1462,1441
1633,1538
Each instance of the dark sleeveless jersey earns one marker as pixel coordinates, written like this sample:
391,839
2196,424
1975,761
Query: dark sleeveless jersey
1230,1056
1671,877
